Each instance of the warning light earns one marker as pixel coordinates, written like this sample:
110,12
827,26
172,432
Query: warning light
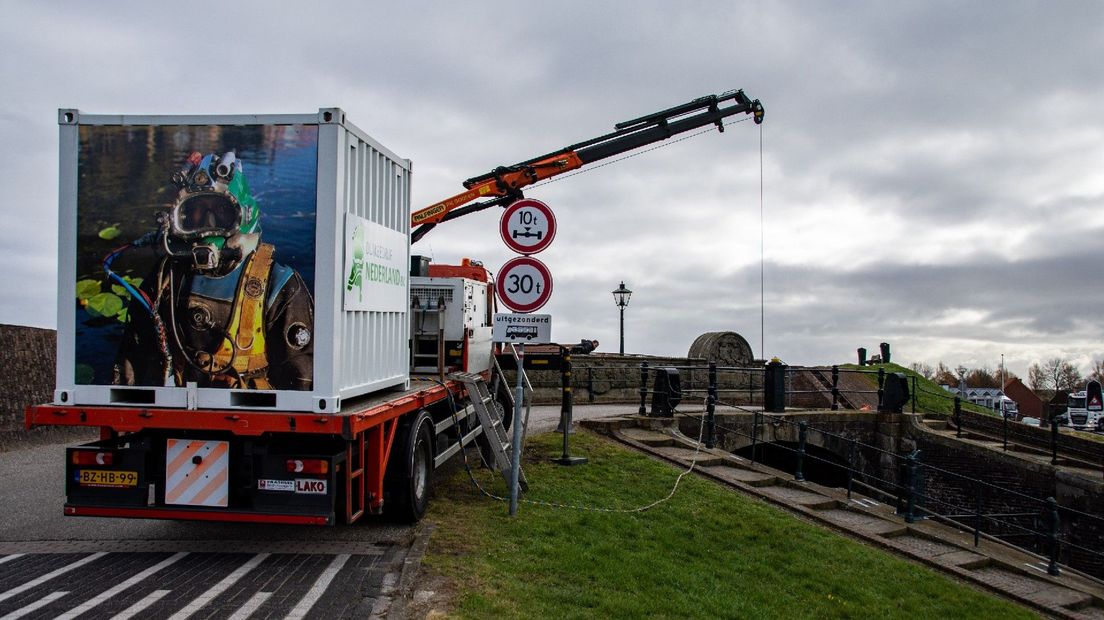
308,466
88,457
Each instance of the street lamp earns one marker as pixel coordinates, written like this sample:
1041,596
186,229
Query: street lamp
961,370
621,298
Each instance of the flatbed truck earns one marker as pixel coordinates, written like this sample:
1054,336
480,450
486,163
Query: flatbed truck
376,452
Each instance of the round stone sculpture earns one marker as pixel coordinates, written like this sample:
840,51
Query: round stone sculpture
724,348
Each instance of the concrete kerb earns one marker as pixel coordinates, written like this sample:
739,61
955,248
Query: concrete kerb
891,533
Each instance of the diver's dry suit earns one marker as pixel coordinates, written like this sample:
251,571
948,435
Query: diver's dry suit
279,356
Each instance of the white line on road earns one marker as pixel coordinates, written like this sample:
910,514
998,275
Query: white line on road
40,603
250,606
150,599
9,558
200,601
48,576
318,589
133,581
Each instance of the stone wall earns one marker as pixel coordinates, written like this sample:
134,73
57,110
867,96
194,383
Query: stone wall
959,476
952,494
28,379
1086,449
28,374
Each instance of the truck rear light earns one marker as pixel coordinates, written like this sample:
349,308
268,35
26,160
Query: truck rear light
308,466
90,457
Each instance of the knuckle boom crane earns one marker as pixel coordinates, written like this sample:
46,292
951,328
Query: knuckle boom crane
503,185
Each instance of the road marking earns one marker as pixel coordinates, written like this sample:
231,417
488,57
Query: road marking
318,589
250,606
48,576
150,599
133,581
200,601
40,603
9,558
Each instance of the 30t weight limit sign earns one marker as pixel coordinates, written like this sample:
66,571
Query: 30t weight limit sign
524,284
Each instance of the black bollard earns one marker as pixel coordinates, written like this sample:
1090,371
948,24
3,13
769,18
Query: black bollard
565,411
643,388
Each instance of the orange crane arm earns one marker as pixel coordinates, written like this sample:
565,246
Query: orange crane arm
503,184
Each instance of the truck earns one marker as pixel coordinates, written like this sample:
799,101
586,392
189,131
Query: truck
1082,413
311,373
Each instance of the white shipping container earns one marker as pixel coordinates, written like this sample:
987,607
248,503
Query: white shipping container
230,262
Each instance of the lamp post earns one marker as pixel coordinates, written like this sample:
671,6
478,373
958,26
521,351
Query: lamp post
621,298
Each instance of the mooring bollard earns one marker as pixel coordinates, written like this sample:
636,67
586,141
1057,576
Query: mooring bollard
711,408
835,387
567,405
799,475
643,388
1052,507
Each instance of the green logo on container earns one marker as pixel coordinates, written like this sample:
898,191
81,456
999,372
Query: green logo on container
356,270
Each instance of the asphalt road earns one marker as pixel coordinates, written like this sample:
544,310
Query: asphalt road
54,566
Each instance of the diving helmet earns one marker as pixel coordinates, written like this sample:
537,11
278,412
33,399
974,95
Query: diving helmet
214,211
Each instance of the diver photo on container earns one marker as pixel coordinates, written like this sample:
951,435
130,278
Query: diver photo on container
195,256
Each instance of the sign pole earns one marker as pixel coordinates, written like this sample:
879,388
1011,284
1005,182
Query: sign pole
515,454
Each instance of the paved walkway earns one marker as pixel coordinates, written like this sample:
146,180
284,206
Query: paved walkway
999,568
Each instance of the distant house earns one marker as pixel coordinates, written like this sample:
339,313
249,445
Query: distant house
983,397
1027,401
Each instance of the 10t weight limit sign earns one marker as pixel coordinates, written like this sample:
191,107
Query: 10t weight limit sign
527,226
524,284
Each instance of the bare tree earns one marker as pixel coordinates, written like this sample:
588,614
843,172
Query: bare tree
922,369
983,378
944,376
1097,372
1056,375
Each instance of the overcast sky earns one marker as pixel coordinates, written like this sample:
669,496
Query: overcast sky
933,172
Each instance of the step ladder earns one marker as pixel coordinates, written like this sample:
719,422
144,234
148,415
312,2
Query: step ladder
491,420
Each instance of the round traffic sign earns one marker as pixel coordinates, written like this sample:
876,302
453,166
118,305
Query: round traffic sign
528,226
524,284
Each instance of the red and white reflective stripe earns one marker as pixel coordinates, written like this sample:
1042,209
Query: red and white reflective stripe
197,472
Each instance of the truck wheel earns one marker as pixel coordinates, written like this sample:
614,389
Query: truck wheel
409,470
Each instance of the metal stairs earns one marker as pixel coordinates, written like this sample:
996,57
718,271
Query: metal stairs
491,420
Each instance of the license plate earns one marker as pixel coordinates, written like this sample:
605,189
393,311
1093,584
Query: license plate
106,478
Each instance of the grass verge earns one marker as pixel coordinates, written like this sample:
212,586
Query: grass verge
709,552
